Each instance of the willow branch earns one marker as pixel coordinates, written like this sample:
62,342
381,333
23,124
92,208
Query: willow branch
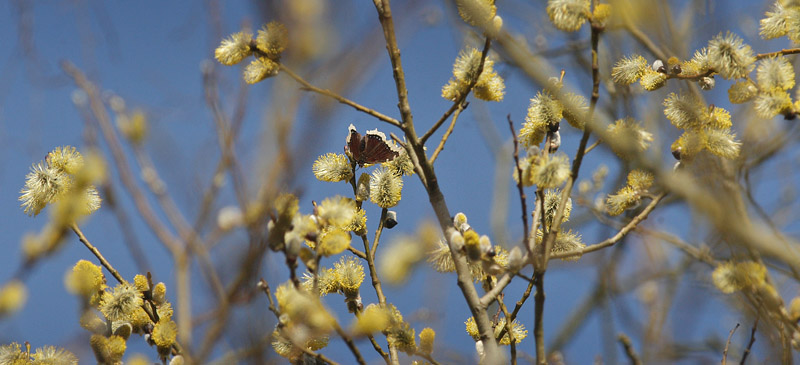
350,344
123,167
538,321
428,177
749,343
629,350
777,53
727,345
446,135
520,190
457,104
97,254
339,98
616,237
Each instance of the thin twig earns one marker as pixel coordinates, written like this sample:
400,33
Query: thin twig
456,106
629,350
447,133
350,344
776,53
97,254
339,98
750,343
727,345
428,178
550,235
520,190
643,39
538,321
461,100
508,329
121,161
427,357
357,252
265,287
519,304
618,236
592,146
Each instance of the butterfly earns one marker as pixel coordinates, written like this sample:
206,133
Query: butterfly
370,148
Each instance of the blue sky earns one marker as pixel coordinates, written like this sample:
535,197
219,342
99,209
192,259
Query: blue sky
151,53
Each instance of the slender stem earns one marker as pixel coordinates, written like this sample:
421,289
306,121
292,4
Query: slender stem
378,232
592,146
265,287
507,329
538,325
776,53
357,252
121,161
97,254
644,39
378,348
750,343
428,177
350,344
520,190
618,236
727,345
446,135
427,357
387,24
457,104
519,304
629,350
550,236
339,98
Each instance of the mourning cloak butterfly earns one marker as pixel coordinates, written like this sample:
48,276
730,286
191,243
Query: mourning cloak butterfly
370,148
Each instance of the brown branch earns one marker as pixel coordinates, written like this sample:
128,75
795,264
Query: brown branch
508,329
750,343
447,133
427,357
642,38
428,177
538,321
520,303
456,106
123,167
629,350
592,146
727,345
339,98
776,53
97,254
550,234
265,287
520,190
618,236
350,344
461,100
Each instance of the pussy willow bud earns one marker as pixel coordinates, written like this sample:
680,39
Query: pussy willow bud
707,83
658,66
391,219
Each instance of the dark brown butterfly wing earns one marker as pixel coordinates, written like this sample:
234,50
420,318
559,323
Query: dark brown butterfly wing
377,149
353,144
369,149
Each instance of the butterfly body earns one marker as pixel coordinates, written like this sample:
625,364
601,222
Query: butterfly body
371,148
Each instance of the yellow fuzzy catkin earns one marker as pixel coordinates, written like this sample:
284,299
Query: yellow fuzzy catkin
385,188
568,15
629,69
730,56
234,49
